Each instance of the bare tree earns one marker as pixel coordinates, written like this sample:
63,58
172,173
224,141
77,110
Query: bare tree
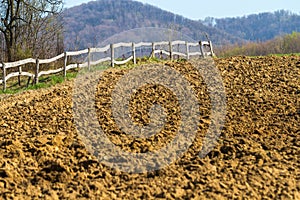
29,26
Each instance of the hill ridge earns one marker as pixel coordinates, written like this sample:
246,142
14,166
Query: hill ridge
90,23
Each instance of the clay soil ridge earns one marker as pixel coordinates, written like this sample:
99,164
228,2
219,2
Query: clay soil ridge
257,155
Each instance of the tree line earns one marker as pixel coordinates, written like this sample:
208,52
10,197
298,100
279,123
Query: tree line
286,44
30,28
258,27
102,19
41,28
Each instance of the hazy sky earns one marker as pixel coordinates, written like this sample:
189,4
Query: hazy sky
199,9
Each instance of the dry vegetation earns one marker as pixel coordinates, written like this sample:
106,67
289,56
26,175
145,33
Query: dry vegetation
280,45
41,155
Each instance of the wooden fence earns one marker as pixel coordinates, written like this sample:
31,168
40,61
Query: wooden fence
156,49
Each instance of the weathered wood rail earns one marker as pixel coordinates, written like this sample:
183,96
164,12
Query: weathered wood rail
156,49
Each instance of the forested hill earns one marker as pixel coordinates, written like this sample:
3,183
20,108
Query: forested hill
89,24
258,27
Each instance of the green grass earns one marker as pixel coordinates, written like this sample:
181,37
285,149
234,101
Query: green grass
281,55
48,81
276,55
44,82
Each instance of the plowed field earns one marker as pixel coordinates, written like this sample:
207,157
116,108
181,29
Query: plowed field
257,155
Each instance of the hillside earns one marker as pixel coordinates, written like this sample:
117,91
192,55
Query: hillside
89,24
258,27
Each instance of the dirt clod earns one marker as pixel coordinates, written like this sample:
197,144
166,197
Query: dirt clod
257,155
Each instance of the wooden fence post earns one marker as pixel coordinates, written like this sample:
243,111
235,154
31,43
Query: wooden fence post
4,76
112,55
19,77
65,64
178,50
211,49
37,68
187,50
201,49
171,50
133,53
89,59
153,50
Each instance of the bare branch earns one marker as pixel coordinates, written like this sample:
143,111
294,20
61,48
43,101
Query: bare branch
29,26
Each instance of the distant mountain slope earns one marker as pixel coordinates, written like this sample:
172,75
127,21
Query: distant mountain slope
258,27
89,24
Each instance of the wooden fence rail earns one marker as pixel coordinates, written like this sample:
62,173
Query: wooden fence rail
156,48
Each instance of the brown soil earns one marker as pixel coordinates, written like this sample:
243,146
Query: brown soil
257,156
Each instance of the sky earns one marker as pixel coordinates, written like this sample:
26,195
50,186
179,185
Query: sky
199,9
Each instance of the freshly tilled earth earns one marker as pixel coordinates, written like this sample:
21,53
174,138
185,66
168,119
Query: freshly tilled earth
256,157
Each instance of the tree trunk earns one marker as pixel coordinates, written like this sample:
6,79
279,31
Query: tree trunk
10,46
23,20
